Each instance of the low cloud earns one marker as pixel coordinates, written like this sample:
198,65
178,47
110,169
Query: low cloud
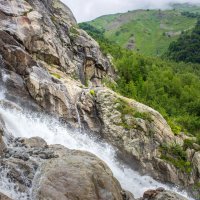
85,10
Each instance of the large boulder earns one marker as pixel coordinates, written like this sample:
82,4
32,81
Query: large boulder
75,175
161,194
55,172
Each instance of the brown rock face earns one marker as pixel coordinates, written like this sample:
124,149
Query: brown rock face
75,175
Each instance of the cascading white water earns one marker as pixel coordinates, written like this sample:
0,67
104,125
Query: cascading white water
79,119
30,125
2,96
9,188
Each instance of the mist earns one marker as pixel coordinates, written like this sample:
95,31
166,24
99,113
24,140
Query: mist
86,10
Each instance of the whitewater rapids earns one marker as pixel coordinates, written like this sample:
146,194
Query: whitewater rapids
28,125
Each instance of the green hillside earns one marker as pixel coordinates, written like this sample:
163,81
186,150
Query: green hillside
147,31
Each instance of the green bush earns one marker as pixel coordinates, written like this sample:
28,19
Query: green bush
125,109
56,75
175,128
188,143
176,155
92,92
187,47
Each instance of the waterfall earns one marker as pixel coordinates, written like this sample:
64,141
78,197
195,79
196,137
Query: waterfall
78,118
48,128
9,188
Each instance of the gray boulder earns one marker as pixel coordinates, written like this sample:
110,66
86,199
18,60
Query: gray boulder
161,194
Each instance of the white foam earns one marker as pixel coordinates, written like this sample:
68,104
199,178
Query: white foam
8,188
29,125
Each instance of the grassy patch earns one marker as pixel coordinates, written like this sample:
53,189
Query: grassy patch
148,28
174,126
176,155
56,75
125,109
74,30
92,92
145,116
188,143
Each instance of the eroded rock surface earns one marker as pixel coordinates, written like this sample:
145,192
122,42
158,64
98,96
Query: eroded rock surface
75,175
41,42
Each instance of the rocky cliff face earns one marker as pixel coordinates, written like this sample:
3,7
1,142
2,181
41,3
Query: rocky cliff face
140,133
40,42
49,64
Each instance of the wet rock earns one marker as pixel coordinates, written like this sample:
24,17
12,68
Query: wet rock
55,172
2,133
9,105
127,195
53,96
161,194
2,146
16,94
150,194
4,197
34,142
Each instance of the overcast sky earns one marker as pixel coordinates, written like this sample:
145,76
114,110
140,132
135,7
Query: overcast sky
85,10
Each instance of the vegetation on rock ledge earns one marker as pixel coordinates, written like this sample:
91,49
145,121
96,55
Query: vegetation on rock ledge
169,87
127,110
176,155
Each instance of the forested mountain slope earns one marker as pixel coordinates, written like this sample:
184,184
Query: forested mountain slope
187,47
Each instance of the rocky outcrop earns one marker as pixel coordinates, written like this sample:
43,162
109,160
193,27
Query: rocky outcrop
161,194
55,172
139,132
33,31
41,42
75,175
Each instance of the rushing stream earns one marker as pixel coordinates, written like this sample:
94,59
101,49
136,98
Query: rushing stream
30,125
